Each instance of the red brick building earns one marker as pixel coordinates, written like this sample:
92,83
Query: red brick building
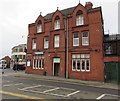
67,43
8,60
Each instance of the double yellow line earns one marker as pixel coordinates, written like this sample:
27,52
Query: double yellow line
20,95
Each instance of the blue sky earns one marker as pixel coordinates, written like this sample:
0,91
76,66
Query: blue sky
17,14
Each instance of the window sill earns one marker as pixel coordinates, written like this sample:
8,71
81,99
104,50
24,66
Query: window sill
39,33
46,48
56,47
81,71
80,25
85,45
76,46
56,30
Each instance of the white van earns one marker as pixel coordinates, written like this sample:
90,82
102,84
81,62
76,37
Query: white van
3,64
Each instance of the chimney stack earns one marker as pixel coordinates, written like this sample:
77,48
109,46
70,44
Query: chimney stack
88,5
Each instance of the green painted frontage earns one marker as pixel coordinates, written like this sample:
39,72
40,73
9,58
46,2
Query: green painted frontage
112,72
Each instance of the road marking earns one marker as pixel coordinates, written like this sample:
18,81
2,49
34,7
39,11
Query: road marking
75,83
11,74
113,95
42,92
79,84
6,81
73,93
100,97
47,91
67,88
20,95
12,84
51,90
30,87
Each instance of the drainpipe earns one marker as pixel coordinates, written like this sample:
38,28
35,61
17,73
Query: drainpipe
66,47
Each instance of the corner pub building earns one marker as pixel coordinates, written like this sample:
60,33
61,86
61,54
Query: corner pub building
67,43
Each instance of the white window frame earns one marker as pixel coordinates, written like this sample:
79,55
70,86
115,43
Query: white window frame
33,64
72,65
57,24
76,64
39,28
89,65
39,63
76,57
76,61
46,43
36,63
37,60
33,43
85,38
79,20
42,63
56,41
75,39
81,65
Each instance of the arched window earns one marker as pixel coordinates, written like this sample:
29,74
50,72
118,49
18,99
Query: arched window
79,18
39,27
57,23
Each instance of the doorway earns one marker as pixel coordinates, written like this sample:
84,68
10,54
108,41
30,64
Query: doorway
56,69
56,66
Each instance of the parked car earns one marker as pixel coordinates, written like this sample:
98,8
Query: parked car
19,67
3,64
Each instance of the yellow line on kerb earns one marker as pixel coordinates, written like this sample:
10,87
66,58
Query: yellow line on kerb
20,95
80,84
75,83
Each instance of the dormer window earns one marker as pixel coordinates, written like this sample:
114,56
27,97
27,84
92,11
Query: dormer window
79,18
57,23
39,27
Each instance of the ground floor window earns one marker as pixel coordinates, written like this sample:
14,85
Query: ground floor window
38,62
81,62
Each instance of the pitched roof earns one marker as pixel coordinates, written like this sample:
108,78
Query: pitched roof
64,12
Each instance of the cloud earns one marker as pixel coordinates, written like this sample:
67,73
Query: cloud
17,14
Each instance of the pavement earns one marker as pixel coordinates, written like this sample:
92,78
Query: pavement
37,86
22,74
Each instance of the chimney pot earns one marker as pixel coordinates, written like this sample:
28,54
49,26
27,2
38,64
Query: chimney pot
88,5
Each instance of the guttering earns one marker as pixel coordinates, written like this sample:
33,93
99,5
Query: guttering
66,49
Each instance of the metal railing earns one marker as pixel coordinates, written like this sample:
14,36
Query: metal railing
112,37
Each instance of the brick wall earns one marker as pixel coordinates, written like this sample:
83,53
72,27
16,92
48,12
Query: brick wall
92,23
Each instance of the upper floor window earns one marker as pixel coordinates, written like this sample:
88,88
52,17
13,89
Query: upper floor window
17,50
57,41
34,44
21,49
46,42
85,38
75,39
109,49
57,23
39,27
79,18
